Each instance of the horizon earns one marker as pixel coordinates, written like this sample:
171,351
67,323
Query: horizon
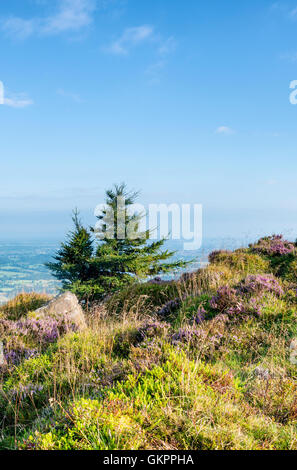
147,94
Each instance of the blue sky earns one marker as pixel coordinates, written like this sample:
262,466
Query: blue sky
186,100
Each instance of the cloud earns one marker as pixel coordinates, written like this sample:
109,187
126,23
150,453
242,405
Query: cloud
289,56
18,28
18,101
130,38
285,10
293,13
168,46
71,15
224,130
154,71
73,96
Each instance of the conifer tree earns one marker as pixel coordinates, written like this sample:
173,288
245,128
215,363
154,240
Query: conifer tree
123,254
73,258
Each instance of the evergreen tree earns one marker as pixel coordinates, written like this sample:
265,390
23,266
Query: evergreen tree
122,257
73,258
125,253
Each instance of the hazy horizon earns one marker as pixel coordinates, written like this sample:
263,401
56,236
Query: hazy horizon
100,92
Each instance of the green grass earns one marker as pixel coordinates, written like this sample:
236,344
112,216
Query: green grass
133,380
22,304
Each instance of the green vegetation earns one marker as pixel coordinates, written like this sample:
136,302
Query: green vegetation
22,304
199,363
122,257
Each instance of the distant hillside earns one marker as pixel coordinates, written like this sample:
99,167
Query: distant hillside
22,264
22,269
205,362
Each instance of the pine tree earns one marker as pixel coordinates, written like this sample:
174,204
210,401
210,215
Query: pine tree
122,257
73,258
124,254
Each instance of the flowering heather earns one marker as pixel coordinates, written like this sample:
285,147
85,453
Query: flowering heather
153,329
187,334
234,303
194,334
25,391
247,307
42,331
225,298
257,284
273,245
15,356
212,257
200,316
169,307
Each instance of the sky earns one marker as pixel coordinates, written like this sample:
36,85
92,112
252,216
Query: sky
188,101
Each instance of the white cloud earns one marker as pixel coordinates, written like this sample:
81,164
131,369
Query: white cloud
289,56
293,13
130,38
168,46
154,71
224,130
285,10
73,96
71,15
17,101
18,27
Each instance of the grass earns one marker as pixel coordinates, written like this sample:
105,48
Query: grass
149,373
22,304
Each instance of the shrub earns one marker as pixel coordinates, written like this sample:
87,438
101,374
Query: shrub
22,304
169,308
177,404
142,298
91,425
240,261
153,329
257,284
273,246
228,301
41,332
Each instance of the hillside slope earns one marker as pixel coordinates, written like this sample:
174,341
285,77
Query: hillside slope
207,362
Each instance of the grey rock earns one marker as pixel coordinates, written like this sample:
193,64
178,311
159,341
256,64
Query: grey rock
2,358
293,352
64,304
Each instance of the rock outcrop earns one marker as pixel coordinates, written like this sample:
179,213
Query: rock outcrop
66,305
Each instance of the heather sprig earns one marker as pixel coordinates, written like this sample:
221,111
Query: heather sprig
273,245
42,331
257,284
170,307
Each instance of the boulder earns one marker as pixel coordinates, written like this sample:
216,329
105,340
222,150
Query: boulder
66,305
2,358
